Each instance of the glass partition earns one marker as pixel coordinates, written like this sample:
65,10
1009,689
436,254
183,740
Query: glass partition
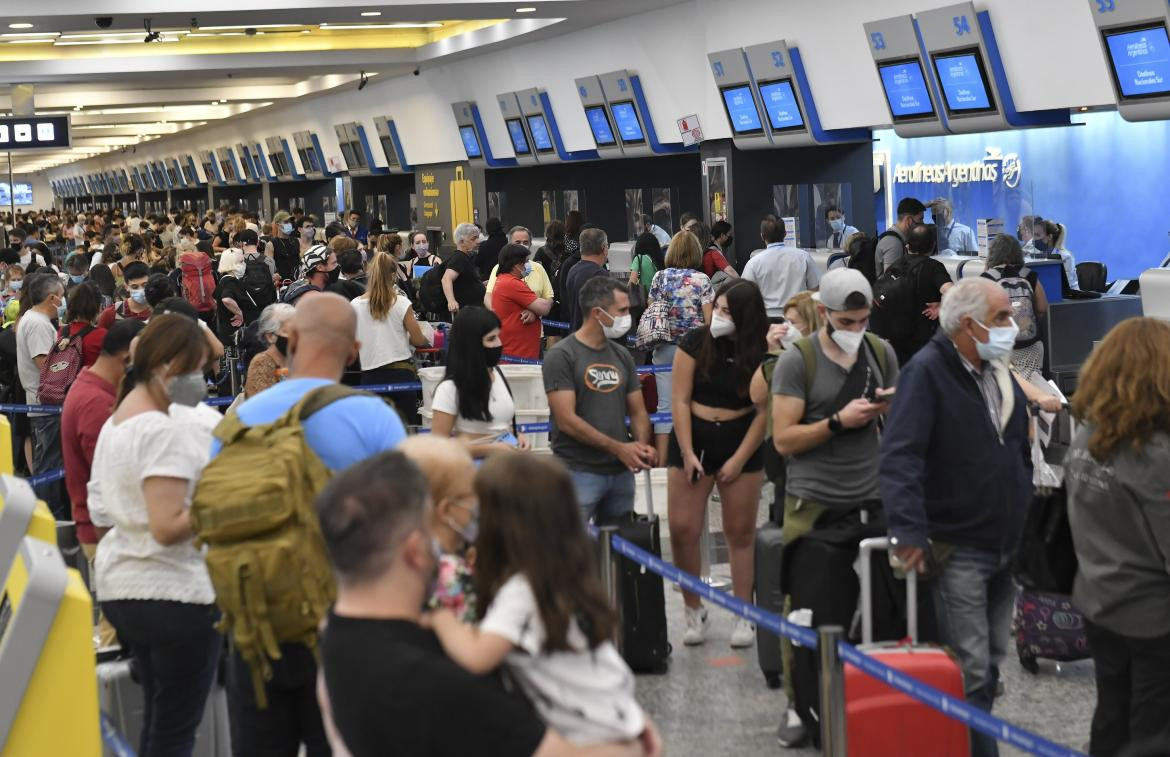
826,196
786,205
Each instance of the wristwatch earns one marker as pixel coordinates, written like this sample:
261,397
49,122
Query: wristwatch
835,426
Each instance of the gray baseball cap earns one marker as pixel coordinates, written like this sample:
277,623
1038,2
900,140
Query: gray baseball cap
845,289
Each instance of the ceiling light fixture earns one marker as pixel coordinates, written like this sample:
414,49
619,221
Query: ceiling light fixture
248,26
527,9
32,34
370,14
104,35
44,41
21,25
359,27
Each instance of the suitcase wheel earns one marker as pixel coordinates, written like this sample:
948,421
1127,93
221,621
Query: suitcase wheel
1029,664
773,680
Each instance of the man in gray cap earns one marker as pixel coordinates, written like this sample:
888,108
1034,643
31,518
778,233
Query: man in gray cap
829,389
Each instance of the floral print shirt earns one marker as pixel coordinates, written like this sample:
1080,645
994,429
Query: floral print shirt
454,589
685,292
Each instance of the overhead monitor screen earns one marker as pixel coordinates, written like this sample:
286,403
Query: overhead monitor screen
964,82
741,110
628,125
781,106
906,89
1141,60
519,138
541,139
34,132
600,125
24,195
390,153
470,141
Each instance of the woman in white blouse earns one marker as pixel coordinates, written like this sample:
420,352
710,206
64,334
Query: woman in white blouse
151,580
473,402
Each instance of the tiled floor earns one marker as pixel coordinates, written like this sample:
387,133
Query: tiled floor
713,701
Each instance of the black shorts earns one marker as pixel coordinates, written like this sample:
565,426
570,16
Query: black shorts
715,442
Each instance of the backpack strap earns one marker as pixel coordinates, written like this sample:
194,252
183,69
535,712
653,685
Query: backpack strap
509,388
878,350
324,396
808,352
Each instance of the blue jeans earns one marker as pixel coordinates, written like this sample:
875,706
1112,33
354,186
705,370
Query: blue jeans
604,497
176,648
974,597
663,355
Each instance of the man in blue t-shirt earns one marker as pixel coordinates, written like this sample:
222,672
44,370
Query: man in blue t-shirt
322,340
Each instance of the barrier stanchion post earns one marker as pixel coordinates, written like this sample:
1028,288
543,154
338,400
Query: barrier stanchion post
610,577
705,548
832,691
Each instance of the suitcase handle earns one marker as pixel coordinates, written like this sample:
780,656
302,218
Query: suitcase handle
649,492
864,551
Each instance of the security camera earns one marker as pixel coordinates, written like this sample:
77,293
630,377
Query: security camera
104,22
417,72
250,31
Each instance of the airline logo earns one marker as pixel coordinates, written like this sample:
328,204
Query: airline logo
995,166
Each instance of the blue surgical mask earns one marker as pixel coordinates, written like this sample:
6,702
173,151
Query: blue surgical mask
286,228
1001,340
837,224
527,270
15,284
76,278
138,295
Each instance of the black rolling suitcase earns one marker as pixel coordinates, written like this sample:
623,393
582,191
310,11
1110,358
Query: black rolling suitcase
769,596
643,601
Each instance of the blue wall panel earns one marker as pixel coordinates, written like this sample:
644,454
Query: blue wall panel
1107,181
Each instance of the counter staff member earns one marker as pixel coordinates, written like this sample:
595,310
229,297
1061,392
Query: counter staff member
953,237
839,231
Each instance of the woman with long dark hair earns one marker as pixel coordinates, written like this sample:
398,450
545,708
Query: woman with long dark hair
717,441
151,578
474,402
648,260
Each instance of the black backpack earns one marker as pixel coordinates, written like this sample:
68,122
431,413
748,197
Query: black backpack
257,281
430,290
895,299
863,254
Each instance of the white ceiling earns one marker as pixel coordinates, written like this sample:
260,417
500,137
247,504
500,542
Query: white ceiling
127,99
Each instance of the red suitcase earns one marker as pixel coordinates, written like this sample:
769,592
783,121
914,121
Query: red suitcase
886,723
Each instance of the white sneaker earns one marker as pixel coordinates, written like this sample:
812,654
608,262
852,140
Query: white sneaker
696,632
743,635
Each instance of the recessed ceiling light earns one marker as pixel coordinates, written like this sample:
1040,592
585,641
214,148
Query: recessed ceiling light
247,26
44,41
527,9
371,13
358,27
20,26
35,34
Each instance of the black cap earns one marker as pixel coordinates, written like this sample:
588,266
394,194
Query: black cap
246,237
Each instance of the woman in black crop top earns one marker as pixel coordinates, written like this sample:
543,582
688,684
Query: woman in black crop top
717,441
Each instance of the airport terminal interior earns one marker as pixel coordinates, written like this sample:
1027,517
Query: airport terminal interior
778,303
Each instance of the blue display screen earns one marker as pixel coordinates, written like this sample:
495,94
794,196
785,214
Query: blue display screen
964,82
906,90
628,125
470,141
781,106
599,123
1141,61
540,136
519,138
741,110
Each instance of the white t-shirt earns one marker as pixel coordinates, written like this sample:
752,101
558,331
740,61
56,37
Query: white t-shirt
500,406
35,336
385,341
130,564
586,695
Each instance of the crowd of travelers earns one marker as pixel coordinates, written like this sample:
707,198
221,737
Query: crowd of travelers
413,576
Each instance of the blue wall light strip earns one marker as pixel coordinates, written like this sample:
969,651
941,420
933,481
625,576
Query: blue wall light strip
488,158
260,155
648,124
288,156
397,142
811,116
374,168
240,177
321,156
194,171
216,170
562,153
1010,114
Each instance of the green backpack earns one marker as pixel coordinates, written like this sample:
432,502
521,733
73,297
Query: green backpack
253,510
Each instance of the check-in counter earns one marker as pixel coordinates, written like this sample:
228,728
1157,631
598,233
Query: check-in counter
1075,325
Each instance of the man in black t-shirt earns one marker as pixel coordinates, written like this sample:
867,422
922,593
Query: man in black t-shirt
391,688
461,283
931,279
594,254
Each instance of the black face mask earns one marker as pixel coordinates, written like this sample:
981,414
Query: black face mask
331,277
281,345
492,355
730,241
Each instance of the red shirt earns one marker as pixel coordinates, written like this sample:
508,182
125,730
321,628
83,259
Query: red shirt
108,316
91,345
713,261
511,297
88,405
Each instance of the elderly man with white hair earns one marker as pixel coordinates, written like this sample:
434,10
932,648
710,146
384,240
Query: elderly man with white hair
461,284
956,479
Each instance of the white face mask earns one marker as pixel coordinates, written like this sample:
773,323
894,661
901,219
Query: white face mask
791,337
721,326
239,270
621,325
848,341
1001,340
